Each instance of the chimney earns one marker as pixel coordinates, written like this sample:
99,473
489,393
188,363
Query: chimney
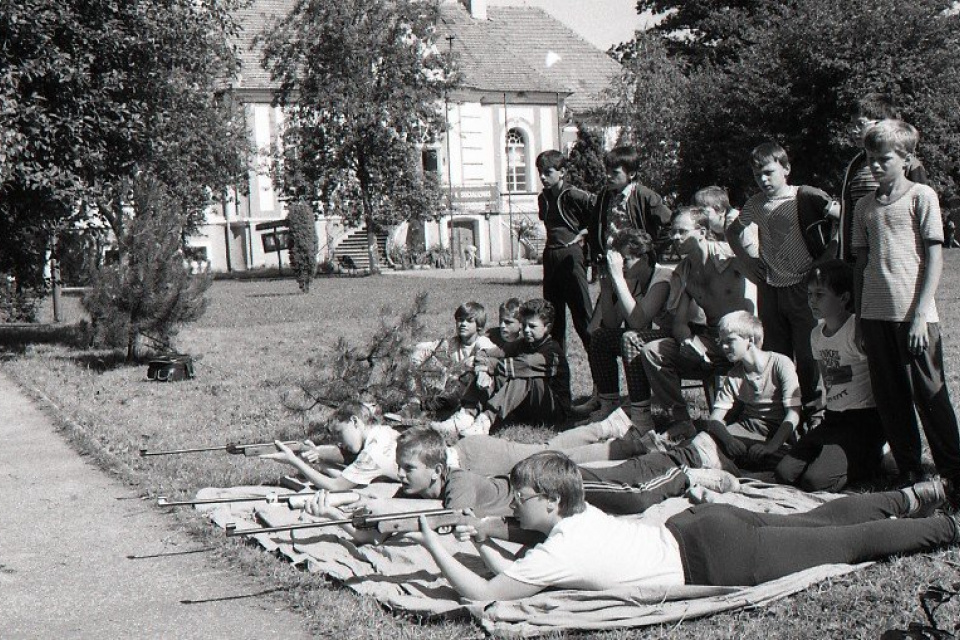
477,8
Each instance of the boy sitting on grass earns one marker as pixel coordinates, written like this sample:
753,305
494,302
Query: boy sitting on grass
763,386
456,356
509,328
847,446
531,380
371,446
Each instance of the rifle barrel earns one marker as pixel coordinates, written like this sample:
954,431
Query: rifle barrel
360,522
278,497
248,449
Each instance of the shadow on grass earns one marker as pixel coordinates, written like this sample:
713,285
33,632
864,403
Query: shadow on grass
14,338
101,361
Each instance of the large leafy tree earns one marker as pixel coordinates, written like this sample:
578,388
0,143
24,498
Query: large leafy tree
94,92
792,72
362,84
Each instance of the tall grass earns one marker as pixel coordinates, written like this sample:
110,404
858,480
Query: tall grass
258,338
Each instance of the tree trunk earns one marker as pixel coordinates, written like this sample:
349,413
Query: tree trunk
372,251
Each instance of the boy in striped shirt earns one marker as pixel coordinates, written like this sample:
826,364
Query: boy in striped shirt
898,239
784,259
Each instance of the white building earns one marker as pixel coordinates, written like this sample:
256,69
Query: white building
526,78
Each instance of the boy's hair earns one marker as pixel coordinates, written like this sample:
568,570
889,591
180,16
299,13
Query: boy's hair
625,157
634,243
427,444
553,475
877,106
743,324
714,197
471,311
366,412
696,214
540,308
551,159
835,275
511,308
769,152
891,134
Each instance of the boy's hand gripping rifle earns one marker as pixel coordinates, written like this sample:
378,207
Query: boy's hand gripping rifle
248,449
440,520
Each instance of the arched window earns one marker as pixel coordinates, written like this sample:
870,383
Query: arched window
516,151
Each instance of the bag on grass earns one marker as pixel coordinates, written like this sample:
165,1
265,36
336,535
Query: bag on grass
170,368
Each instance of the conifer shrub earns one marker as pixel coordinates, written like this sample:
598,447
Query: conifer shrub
138,302
303,243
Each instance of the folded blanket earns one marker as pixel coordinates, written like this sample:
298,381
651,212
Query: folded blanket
401,575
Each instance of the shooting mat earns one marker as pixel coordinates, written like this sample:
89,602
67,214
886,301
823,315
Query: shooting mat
402,576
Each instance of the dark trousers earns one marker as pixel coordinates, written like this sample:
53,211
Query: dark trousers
787,323
723,545
637,484
529,400
902,381
847,446
565,285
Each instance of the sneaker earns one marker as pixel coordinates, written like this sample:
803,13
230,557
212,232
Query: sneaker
716,480
455,424
480,426
925,498
706,447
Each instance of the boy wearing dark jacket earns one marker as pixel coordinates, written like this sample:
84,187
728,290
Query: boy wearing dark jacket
565,212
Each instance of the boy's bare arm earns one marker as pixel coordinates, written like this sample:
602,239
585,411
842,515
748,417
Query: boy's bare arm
919,338
733,233
332,482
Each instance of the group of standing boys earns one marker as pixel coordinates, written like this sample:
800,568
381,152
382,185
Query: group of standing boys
848,340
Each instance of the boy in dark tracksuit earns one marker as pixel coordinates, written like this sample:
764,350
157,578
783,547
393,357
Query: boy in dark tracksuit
624,204
565,212
532,380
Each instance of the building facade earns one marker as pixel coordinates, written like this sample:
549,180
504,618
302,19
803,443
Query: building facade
527,78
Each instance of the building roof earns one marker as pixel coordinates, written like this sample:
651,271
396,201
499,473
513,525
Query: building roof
517,49
526,49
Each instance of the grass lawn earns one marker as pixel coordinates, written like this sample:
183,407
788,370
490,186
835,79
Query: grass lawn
259,337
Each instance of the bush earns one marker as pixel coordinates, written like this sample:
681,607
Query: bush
18,304
138,302
303,244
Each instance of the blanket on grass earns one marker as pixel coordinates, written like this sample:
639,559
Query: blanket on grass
402,576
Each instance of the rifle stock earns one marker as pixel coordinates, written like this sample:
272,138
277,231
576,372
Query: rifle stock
440,520
248,449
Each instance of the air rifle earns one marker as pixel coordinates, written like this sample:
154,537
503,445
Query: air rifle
440,520
235,448
293,500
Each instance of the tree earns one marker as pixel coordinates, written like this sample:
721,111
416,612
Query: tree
585,165
93,93
303,240
362,84
792,72
651,105
139,302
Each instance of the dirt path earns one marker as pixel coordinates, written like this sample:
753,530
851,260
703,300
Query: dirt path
64,542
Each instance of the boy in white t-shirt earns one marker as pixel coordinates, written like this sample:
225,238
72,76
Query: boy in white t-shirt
455,357
847,446
374,445
708,544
